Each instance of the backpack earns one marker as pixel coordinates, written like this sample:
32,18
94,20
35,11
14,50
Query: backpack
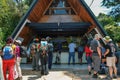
37,47
8,52
50,47
32,49
112,48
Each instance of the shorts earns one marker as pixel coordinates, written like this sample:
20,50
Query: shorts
111,61
80,55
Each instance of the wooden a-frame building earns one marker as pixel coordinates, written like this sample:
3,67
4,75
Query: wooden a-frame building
57,18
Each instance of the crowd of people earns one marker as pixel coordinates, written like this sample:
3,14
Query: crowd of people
41,51
97,54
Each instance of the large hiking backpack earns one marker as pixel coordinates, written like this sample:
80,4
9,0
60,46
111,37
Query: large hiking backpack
112,48
32,49
37,47
8,52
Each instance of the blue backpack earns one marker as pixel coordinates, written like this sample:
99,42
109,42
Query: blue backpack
7,52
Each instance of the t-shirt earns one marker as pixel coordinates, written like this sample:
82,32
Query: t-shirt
72,47
50,47
94,44
88,51
59,46
80,48
17,50
111,47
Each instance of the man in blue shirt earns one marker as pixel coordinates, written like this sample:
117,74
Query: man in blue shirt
71,47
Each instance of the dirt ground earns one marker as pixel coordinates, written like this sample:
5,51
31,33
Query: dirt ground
64,74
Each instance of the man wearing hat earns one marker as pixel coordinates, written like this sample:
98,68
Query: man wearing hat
44,56
34,50
110,56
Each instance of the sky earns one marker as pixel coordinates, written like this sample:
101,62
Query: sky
96,7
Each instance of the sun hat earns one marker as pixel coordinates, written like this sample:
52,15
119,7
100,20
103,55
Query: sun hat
107,38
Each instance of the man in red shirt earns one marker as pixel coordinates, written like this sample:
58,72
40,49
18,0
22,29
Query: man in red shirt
88,57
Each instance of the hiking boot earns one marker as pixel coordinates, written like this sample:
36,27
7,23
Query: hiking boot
115,77
95,76
111,78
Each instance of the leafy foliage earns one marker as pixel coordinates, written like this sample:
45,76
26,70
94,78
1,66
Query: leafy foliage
114,31
5,18
112,28
28,2
114,5
11,12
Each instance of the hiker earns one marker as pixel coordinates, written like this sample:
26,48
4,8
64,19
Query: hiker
18,59
71,47
88,57
44,56
96,54
58,54
8,59
80,52
34,50
50,52
110,57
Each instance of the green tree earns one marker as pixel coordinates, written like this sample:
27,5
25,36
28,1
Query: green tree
105,19
10,14
5,18
114,5
22,6
112,28
28,2
113,31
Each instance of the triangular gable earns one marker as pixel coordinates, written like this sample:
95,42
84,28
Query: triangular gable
39,8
